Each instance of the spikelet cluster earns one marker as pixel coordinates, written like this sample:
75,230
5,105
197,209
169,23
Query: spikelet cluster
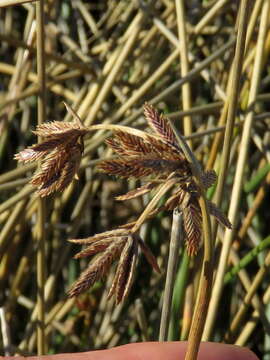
157,159
118,244
60,152
154,158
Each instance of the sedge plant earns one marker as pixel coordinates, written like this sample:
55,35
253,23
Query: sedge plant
164,164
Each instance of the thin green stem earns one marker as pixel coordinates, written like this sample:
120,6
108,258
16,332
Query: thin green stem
175,243
250,256
178,297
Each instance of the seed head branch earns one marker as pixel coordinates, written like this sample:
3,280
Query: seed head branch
162,159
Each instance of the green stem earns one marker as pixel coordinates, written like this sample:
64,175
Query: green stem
178,297
247,259
170,276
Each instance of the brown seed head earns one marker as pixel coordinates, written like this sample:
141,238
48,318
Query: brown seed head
60,152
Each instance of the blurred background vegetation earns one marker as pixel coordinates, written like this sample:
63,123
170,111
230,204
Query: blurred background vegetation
106,58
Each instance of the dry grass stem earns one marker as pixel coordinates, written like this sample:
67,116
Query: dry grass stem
236,191
40,231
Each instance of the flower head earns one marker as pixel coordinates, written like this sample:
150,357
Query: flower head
155,158
60,152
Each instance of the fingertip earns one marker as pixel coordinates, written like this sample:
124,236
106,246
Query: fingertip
213,351
157,351
175,350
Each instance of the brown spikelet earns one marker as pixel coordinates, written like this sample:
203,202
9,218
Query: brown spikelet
175,200
115,146
113,234
165,150
71,167
134,145
37,151
148,254
111,246
52,165
60,152
125,271
124,168
218,214
96,247
58,128
128,144
209,177
57,170
98,268
193,227
161,126
138,167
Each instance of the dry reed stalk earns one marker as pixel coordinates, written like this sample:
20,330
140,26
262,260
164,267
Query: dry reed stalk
56,88
186,89
84,68
231,102
9,226
55,321
249,297
5,3
232,99
164,94
236,192
134,28
5,330
206,75
142,319
41,211
25,192
252,322
209,15
188,308
176,85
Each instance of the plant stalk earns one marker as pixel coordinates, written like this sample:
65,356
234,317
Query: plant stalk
233,95
240,168
184,63
205,284
170,275
40,234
